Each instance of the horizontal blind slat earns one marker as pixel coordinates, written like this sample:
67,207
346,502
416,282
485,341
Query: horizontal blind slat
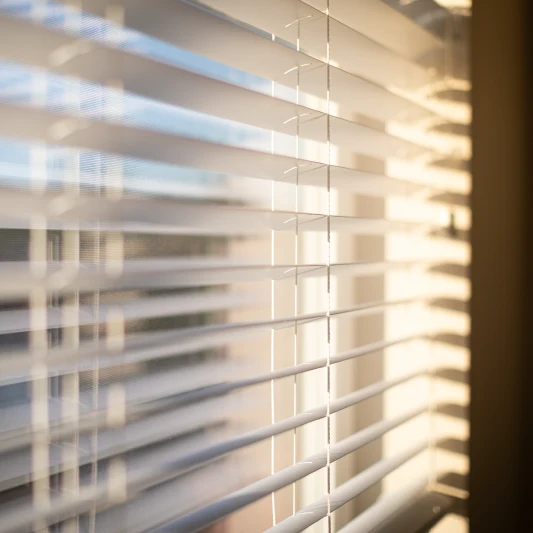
384,24
17,280
136,433
281,66
97,63
98,494
95,419
20,209
313,513
141,347
14,365
18,466
16,414
264,57
298,420
57,128
19,321
201,518
372,18
159,504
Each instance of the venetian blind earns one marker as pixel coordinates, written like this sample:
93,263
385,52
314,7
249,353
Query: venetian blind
234,243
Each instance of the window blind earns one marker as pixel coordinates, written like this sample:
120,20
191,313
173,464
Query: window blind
233,264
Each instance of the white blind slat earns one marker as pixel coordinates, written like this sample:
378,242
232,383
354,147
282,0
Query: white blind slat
16,278
233,251
203,517
201,456
349,490
96,63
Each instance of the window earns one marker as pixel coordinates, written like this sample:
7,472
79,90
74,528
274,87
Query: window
234,253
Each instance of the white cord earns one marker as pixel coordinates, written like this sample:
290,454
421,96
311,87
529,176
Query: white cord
328,311
272,331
